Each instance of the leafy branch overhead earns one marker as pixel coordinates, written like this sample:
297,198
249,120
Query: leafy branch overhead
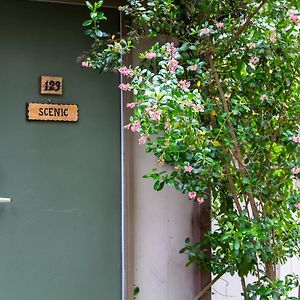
219,103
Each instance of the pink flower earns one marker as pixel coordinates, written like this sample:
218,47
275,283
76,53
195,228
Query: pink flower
205,31
150,55
136,126
220,25
200,200
295,171
252,45
173,65
184,84
142,140
192,195
254,60
155,114
199,107
273,39
192,68
86,64
149,107
294,19
189,104
125,87
126,71
297,206
127,126
171,50
296,139
188,169
167,126
264,97
131,105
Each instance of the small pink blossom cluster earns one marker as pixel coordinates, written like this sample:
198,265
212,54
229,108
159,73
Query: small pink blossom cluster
295,171
297,206
86,64
126,87
197,107
192,195
171,50
131,105
192,68
220,25
154,112
173,65
264,97
189,104
273,38
184,84
171,54
134,127
205,31
254,60
143,139
296,139
188,169
295,19
126,71
150,55
168,126
200,200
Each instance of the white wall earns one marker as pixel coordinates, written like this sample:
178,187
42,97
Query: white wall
162,221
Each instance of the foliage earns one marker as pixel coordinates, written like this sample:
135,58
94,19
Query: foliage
219,103
136,291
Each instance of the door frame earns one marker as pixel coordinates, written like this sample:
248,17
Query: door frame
126,168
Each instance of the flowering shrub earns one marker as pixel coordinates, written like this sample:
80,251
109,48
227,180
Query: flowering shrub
220,104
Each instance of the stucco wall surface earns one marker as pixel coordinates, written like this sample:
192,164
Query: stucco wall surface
162,221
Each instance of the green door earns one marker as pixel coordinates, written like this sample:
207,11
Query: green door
60,238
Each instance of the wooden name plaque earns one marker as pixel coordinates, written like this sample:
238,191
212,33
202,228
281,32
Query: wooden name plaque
51,85
52,112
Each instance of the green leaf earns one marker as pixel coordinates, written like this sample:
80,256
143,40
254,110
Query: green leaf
101,16
93,15
158,185
99,33
87,23
89,5
236,245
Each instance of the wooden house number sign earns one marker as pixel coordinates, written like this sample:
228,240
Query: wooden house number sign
51,85
52,112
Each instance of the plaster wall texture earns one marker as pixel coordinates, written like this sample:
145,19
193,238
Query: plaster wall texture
162,221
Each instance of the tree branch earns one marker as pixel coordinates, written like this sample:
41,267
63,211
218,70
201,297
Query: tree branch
237,152
232,189
248,22
206,289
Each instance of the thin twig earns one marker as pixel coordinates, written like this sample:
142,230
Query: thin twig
206,289
248,22
237,151
233,190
